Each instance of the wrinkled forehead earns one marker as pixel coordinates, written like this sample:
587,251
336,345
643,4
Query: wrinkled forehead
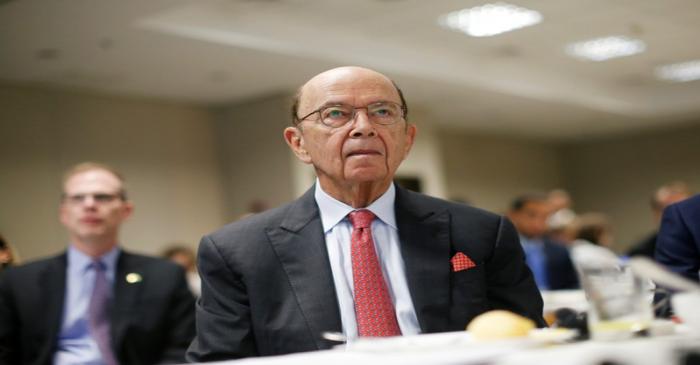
92,181
350,85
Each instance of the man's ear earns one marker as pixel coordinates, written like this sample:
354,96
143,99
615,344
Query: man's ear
295,140
128,210
411,131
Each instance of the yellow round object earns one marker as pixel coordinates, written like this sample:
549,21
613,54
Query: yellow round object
499,324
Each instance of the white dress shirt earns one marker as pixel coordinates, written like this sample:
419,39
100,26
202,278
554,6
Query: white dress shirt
75,344
338,231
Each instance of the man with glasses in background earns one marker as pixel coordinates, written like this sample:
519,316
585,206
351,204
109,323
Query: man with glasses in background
356,256
95,303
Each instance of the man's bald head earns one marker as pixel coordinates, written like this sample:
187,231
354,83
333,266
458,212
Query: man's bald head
302,97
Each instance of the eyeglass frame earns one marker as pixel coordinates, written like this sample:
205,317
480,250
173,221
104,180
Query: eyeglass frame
99,198
402,107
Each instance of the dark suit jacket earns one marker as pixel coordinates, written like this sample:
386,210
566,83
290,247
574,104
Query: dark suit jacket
152,320
678,244
645,247
560,269
267,285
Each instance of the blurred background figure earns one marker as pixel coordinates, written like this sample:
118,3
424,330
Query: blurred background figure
664,196
255,206
8,257
562,216
82,306
549,260
592,228
185,257
678,245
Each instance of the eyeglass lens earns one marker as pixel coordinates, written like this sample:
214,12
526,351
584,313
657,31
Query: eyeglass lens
380,113
98,198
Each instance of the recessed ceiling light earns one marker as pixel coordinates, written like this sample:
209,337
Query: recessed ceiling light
490,19
679,72
601,49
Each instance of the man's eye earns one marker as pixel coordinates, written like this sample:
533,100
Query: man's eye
335,113
104,197
76,198
383,111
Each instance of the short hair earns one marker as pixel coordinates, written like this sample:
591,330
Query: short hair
521,200
591,227
674,187
296,99
89,166
177,249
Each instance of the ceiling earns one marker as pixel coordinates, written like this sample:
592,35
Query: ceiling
224,51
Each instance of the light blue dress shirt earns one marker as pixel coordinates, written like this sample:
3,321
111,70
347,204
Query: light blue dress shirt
536,260
338,232
75,345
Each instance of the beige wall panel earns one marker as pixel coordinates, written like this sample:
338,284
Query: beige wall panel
166,151
489,171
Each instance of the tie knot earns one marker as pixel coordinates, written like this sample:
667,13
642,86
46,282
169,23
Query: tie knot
361,218
98,265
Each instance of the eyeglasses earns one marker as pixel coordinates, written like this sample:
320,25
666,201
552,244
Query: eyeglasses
335,116
99,198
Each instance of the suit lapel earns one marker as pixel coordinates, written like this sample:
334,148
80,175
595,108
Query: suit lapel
53,284
300,245
126,293
425,245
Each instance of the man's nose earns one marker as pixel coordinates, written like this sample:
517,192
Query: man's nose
361,125
89,201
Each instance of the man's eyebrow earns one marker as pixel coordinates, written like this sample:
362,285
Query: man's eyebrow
336,103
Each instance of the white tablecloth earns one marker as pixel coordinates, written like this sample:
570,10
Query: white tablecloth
662,350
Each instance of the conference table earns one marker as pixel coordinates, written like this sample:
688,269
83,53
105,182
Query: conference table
667,344
459,349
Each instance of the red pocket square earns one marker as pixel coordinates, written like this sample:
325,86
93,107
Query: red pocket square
461,262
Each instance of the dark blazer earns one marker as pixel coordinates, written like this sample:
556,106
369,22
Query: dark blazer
152,320
267,285
645,247
560,269
678,244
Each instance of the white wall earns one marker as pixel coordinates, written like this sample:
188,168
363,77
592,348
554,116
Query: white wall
255,157
489,171
615,176
190,169
618,175
166,152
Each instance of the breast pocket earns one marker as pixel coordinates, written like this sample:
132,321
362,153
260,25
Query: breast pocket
468,295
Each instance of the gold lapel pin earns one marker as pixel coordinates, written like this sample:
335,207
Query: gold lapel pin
133,278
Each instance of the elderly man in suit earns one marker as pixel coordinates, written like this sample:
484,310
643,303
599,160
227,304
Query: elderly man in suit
95,303
355,254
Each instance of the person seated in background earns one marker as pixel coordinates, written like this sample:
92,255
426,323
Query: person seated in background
356,254
185,257
678,245
95,303
549,260
664,196
8,257
562,216
592,228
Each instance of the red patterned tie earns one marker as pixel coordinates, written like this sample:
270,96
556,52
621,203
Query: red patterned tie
373,308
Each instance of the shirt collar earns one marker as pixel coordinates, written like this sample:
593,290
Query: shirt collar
333,211
79,262
539,242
